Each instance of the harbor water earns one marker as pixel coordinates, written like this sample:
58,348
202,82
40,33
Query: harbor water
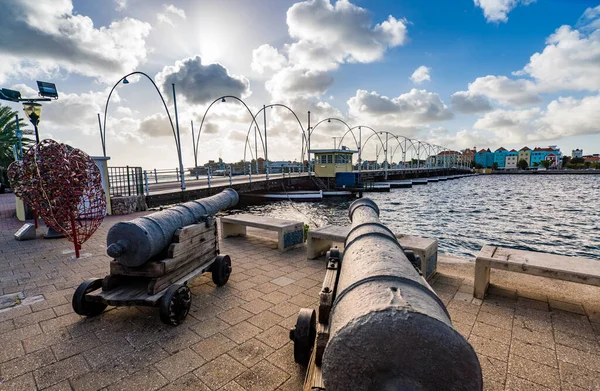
555,214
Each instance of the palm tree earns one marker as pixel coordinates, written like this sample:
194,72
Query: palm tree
8,139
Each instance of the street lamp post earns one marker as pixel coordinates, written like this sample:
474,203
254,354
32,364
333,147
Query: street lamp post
33,111
182,177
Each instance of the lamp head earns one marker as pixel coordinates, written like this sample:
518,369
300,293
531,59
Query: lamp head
328,119
125,81
33,111
223,100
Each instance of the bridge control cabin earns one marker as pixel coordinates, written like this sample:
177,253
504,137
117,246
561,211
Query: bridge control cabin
328,162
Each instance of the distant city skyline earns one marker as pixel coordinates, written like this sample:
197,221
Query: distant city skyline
460,74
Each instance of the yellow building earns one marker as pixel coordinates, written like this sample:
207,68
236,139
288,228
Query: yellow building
328,162
525,154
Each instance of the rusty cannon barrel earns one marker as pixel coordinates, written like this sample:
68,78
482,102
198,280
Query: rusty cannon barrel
133,243
388,328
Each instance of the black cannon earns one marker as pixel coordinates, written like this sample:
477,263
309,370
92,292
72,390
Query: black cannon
380,325
156,255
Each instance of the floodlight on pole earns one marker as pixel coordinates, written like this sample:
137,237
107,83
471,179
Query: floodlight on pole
33,111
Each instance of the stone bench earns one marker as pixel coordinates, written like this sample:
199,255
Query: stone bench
290,233
581,270
320,240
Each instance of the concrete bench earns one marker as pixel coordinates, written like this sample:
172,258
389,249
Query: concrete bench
321,239
582,270
290,233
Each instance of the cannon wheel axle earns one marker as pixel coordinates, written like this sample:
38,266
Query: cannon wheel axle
303,335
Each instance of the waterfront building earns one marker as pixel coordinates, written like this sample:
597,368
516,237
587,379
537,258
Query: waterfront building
467,156
277,167
524,154
511,159
500,157
539,154
448,158
485,158
577,153
328,162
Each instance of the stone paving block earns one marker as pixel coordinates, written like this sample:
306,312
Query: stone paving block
514,383
462,317
209,327
58,322
265,320
62,386
577,342
99,377
32,318
241,332
532,319
285,309
581,377
142,357
572,324
534,352
232,386
189,382
275,336
256,306
290,290
213,346
534,372
63,309
491,332
75,346
148,379
276,297
267,287
463,329
250,294
464,307
283,358
234,316
11,349
22,333
501,321
251,352
22,383
219,372
542,338
577,357
262,377
96,357
489,348
532,303
283,281
492,369
27,363
179,364
59,371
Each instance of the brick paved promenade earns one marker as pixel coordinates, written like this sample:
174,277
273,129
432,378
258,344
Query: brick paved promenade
236,337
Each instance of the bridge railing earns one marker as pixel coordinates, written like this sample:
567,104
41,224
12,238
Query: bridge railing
125,181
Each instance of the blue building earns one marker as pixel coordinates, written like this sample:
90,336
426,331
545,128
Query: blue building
500,157
551,153
485,158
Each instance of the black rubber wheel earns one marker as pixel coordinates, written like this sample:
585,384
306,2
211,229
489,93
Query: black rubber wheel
83,307
221,269
304,335
175,304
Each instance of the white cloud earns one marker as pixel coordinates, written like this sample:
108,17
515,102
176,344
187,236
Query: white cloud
266,57
44,38
121,4
156,125
416,107
200,83
461,139
170,10
298,83
326,35
420,74
570,61
469,103
344,30
497,10
511,92
563,117
590,20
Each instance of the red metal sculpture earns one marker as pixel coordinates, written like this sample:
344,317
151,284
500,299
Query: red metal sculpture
63,185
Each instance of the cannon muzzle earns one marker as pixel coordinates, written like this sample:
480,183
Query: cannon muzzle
133,243
388,328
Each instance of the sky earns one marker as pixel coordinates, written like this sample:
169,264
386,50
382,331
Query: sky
461,73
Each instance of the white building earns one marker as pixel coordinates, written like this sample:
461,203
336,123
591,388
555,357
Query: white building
577,153
511,162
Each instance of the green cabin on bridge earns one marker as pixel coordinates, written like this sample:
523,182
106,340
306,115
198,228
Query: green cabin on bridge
328,162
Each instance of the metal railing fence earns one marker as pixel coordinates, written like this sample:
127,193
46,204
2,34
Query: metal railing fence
125,181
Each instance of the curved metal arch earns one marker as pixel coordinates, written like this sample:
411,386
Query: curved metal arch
312,128
359,127
208,108
271,106
350,130
368,138
159,94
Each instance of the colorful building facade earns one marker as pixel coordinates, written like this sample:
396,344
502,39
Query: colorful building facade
511,160
485,158
525,154
500,157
